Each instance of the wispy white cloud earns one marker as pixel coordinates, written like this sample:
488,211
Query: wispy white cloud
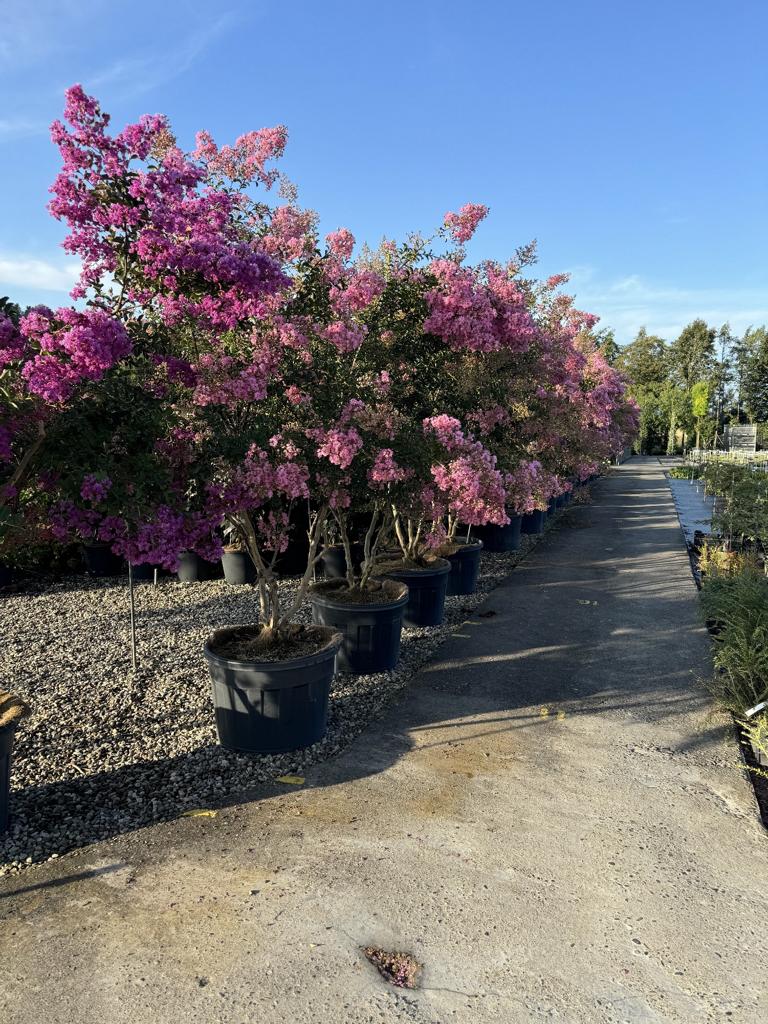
32,32
628,303
20,128
33,274
133,76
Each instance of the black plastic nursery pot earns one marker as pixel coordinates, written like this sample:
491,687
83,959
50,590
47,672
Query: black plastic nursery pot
270,707
238,568
334,560
426,592
99,560
190,568
143,572
6,748
501,538
371,632
562,500
465,569
194,569
551,506
533,522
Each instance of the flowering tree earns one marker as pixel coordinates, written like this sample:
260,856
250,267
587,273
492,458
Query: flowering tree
169,277
226,367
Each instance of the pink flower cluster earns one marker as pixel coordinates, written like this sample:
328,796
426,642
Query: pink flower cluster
462,225
447,429
341,243
385,469
469,482
529,487
476,314
344,337
290,235
221,379
340,446
12,344
251,484
246,161
359,290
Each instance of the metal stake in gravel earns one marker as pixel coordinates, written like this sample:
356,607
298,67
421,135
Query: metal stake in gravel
134,662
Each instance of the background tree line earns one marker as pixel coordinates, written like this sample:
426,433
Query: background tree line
690,388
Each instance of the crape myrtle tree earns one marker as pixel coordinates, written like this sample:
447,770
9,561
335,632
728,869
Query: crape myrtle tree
243,332
166,268
452,334
224,364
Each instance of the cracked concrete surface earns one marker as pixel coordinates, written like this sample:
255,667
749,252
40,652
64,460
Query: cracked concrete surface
551,820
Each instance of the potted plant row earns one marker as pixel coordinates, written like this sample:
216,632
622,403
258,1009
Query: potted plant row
232,371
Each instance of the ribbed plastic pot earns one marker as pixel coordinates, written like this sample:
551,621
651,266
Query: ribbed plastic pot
426,592
99,560
270,707
371,632
191,568
6,747
533,522
238,568
334,561
465,569
501,538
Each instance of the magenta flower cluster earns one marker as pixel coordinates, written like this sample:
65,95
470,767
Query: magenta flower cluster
71,346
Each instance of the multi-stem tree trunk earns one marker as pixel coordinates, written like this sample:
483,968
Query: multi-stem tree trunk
377,529
276,619
409,535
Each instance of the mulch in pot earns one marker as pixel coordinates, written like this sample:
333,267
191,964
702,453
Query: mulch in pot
376,592
247,644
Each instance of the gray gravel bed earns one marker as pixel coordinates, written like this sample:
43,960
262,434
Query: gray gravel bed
106,750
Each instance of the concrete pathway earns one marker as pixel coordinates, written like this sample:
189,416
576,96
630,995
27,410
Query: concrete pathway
549,821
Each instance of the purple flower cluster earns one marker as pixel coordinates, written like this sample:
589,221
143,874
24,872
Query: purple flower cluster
71,346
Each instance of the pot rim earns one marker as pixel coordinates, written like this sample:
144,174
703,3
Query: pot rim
305,661
466,547
316,596
440,567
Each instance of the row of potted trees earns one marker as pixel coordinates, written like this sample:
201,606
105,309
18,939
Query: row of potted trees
225,377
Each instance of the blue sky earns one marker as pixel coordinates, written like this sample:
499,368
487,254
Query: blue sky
628,138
